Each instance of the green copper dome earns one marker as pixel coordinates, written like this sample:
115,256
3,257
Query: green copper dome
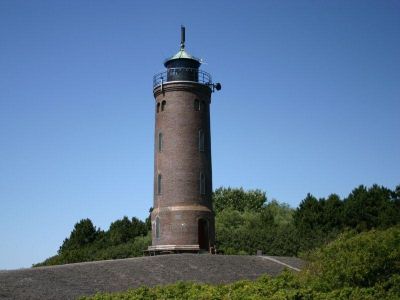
182,54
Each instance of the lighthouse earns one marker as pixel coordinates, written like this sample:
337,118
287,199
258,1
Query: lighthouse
182,216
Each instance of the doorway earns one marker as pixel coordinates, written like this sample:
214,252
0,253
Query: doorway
203,234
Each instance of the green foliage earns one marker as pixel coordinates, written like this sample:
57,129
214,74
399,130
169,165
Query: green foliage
98,251
238,199
245,222
281,212
317,221
125,238
83,234
376,207
362,260
121,231
363,266
278,288
320,221
269,229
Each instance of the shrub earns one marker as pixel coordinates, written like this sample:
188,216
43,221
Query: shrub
361,260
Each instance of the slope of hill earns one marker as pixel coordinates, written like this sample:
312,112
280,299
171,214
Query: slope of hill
74,280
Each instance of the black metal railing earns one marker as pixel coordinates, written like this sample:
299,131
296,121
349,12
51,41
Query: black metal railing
182,74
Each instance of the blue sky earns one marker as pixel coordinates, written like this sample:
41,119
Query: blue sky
310,103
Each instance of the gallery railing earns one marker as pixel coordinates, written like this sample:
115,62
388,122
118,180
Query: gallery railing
182,74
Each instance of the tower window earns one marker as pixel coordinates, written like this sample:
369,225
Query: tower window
202,184
159,184
158,107
157,227
196,104
160,141
201,140
163,103
202,105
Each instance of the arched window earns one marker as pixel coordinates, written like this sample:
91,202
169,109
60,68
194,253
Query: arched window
202,184
163,103
158,107
201,140
157,227
159,184
196,104
160,141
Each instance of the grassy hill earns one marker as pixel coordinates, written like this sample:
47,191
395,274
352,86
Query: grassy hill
354,266
73,280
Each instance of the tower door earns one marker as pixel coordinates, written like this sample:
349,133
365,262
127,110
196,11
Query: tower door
203,234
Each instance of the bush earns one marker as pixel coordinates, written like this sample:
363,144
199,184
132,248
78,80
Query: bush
362,260
95,251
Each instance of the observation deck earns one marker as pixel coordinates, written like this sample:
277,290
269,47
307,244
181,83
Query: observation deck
182,74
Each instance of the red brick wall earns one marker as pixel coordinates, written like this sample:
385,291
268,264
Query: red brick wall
180,204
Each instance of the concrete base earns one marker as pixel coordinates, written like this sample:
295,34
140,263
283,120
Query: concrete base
166,249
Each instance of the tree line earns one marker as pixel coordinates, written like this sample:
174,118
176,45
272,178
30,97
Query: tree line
125,238
246,222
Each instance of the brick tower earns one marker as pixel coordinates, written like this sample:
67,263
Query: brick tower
182,216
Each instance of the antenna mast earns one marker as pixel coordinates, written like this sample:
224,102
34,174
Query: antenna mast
182,37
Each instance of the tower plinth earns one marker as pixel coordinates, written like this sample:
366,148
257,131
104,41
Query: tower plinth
182,216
